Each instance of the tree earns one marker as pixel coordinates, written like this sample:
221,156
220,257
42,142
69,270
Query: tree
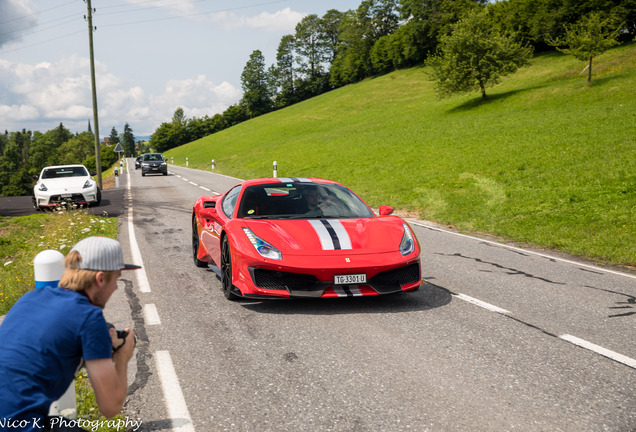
128,140
311,47
588,38
475,56
330,23
77,149
256,96
284,74
113,138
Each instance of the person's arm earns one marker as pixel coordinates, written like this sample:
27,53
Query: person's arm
109,376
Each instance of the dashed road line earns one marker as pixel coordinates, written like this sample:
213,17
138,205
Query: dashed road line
600,350
175,402
482,304
151,315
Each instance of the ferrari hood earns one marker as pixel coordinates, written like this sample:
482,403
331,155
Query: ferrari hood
316,236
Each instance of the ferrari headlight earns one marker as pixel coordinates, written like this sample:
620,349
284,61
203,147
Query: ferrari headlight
87,184
407,245
42,187
262,247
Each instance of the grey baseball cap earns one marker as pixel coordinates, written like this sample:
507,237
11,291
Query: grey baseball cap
101,254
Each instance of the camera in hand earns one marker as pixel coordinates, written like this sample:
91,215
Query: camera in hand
121,334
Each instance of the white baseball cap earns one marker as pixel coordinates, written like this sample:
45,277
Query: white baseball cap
101,254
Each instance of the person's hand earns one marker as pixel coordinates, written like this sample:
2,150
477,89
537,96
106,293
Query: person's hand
123,348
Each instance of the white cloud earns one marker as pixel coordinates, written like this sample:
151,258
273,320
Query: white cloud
18,18
283,20
180,8
40,96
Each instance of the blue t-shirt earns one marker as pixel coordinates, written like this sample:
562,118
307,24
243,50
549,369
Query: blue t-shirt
43,340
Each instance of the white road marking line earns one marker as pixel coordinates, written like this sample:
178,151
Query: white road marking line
600,350
205,189
142,277
175,402
597,268
151,316
193,183
482,304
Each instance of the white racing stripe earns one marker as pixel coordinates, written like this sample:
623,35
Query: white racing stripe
332,234
349,291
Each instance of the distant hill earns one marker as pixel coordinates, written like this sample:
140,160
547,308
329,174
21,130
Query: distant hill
546,160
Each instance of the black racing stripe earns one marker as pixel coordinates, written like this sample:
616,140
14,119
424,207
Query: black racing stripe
347,291
332,233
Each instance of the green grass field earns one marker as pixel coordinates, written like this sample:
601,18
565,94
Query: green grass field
546,160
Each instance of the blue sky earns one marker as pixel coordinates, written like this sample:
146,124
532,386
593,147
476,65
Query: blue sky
151,56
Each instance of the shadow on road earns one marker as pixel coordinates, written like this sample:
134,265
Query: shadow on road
429,296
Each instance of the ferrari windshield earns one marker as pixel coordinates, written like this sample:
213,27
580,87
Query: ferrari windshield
301,200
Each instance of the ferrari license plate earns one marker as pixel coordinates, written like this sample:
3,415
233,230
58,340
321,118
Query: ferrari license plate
350,279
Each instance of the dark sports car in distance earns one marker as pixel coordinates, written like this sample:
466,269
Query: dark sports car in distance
302,237
153,163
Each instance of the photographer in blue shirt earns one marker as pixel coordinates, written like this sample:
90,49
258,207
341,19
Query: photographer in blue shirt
51,332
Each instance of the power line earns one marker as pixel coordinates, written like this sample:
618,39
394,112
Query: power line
70,18
35,13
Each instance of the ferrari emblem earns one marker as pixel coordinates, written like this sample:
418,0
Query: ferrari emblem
347,260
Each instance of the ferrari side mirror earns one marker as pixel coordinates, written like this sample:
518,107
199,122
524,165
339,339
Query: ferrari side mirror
386,210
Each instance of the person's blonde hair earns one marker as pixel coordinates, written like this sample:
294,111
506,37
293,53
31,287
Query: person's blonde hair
77,279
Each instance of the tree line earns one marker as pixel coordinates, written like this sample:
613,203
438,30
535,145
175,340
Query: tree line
24,154
381,36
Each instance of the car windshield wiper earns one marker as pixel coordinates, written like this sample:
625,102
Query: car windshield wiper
304,216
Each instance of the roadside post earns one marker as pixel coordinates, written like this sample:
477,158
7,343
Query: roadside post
275,170
212,163
48,267
186,161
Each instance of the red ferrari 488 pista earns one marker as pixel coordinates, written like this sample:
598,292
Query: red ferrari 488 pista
302,237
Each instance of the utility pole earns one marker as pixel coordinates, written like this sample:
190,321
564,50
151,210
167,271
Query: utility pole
98,154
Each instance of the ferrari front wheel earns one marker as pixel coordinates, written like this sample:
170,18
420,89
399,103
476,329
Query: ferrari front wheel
195,244
226,270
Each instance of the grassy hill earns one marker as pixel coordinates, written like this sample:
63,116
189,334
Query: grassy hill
546,160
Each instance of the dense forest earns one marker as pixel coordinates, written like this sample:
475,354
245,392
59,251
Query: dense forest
341,48
378,37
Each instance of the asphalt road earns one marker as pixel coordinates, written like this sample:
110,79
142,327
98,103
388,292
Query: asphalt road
499,339
112,204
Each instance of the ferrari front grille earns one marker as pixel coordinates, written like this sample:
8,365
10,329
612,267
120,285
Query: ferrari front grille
283,281
392,280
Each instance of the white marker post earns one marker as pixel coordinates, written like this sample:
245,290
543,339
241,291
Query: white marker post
275,170
48,267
